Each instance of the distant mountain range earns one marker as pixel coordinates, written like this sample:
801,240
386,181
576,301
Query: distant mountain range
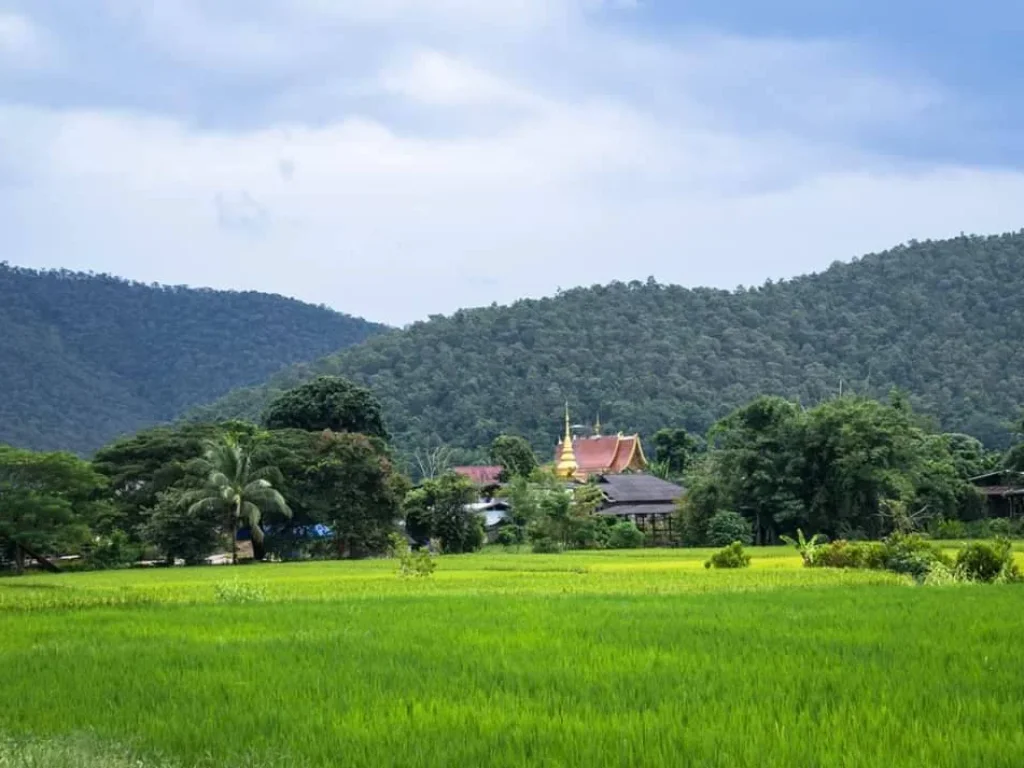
84,358
942,320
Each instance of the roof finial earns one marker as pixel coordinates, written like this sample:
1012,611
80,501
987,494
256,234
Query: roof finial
597,424
567,465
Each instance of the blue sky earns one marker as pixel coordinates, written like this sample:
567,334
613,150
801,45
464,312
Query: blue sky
398,158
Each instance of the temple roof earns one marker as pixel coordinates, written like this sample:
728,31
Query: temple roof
605,454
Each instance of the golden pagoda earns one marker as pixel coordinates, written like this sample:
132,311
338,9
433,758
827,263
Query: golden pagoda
566,466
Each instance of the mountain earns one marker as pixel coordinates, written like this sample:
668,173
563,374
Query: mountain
84,358
942,320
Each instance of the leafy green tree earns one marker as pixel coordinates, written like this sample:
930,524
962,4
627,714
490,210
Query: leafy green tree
46,503
179,529
328,403
514,455
674,450
239,490
1014,460
439,509
725,527
140,468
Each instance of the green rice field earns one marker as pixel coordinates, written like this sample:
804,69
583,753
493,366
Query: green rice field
635,658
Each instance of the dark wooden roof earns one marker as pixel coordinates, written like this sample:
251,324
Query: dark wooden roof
635,489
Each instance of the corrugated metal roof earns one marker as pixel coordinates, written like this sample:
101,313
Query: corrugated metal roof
632,510
638,488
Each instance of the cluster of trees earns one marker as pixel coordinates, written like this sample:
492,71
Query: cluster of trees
851,468
317,479
939,319
84,358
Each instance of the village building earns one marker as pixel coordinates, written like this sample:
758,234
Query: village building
647,501
1003,492
580,458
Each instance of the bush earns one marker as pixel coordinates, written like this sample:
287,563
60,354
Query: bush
731,556
625,535
910,554
841,554
725,527
982,561
1001,527
417,564
544,545
951,529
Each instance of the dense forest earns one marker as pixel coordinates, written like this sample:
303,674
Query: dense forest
941,320
84,358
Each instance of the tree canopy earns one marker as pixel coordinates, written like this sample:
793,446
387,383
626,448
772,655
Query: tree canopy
85,358
327,403
941,320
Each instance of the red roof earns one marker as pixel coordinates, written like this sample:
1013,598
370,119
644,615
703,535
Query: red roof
606,454
480,475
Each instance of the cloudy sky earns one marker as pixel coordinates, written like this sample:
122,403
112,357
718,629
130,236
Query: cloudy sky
398,158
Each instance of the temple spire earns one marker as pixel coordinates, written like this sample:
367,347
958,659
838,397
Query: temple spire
597,425
567,465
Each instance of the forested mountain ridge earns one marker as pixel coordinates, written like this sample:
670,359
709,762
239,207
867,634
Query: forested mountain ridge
84,358
942,320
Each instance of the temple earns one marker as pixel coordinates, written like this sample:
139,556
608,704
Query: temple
580,458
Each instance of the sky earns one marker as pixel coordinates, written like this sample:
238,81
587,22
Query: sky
395,159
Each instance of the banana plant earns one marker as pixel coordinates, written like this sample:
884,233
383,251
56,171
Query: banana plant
808,548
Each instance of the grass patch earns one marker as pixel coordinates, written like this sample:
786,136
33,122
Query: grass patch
597,659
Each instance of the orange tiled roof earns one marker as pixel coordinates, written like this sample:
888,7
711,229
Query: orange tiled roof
606,454
480,475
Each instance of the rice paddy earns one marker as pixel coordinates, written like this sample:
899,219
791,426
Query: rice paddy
592,659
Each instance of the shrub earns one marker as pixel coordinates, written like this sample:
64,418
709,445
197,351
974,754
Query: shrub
1001,527
545,545
910,554
732,556
840,554
114,551
951,529
418,564
725,527
625,535
982,561
509,535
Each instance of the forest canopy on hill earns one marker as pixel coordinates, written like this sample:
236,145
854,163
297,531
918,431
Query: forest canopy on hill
84,358
941,320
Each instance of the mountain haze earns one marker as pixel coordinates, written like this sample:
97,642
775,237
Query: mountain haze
84,358
943,320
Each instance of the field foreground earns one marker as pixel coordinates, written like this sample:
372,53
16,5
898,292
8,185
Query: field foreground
596,659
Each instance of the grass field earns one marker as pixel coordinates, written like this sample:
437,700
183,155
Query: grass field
593,659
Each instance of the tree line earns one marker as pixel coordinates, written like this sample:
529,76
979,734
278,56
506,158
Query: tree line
318,477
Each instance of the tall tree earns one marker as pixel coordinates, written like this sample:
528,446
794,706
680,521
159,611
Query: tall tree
514,455
328,403
46,502
240,490
674,450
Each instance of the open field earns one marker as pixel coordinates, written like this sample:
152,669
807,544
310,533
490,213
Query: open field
596,659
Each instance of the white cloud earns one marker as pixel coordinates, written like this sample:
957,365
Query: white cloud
414,157
23,45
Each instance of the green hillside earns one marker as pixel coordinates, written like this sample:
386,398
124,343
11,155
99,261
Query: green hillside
84,358
943,320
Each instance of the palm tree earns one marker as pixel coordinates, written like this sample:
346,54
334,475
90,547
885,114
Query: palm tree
240,490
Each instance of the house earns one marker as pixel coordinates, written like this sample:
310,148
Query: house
1003,492
494,513
486,478
645,500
